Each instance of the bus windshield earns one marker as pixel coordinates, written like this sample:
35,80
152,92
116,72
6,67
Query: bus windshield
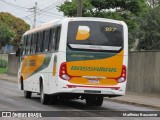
94,35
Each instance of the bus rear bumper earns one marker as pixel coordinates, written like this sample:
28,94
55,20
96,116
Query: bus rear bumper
105,91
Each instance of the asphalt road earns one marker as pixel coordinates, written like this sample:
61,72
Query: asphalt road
11,99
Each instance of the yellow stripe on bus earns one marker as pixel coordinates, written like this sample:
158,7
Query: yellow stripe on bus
30,64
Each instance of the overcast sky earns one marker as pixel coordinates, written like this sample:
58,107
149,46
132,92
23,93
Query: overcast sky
46,9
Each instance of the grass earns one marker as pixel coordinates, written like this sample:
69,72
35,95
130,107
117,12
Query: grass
3,70
3,66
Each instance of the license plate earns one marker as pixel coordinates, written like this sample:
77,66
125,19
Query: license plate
93,81
91,91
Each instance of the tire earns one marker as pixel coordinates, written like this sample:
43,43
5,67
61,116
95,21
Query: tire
27,94
22,86
89,101
94,100
43,97
99,101
54,99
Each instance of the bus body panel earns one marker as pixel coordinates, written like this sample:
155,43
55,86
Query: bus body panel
47,67
110,67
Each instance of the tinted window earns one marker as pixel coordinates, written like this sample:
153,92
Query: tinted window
35,42
46,40
57,38
52,40
40,41
32,44
92,35
24,45
28,42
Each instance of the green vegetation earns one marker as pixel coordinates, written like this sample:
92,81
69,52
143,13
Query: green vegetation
150,30
3,70
6,35
11,29
141,16
3,66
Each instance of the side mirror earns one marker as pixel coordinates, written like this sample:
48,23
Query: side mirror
18,52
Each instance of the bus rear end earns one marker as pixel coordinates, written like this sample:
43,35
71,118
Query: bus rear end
96,60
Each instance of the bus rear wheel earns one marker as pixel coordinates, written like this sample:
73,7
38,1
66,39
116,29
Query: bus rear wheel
54,99
27,94
94,100
44,97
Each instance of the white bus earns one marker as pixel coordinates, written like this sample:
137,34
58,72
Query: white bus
75,58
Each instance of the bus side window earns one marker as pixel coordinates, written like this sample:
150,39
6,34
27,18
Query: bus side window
35,43
29,45
21,47
46,40
41,41
26,48
52,40
24,45
38,43
57,37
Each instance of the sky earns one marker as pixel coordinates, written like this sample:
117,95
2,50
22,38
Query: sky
46,10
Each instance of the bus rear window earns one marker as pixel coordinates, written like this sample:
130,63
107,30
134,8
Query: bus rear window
94,35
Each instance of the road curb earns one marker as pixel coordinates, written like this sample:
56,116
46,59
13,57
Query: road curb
133,103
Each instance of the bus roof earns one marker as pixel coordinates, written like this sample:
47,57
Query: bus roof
42,26
58,21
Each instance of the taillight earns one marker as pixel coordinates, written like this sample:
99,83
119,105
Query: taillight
63,72
122,78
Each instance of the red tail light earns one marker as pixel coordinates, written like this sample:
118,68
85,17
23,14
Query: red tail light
122,78
63,72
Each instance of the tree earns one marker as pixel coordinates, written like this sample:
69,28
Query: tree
6,35
97,6
130,11
15,24
153,3
150,35
70,8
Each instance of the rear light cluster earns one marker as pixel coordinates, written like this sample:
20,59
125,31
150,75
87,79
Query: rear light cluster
63,72
122,78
